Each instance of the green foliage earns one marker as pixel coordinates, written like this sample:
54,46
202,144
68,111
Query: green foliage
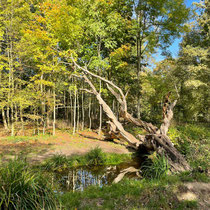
130,194
155,167
192,140
95,157
197,174
195,132
57,162
16,139
22,188
134,130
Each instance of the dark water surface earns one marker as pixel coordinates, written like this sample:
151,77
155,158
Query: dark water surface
78,179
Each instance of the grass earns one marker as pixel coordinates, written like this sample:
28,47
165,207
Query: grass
155,166
130,194
95,157
16,139
22,188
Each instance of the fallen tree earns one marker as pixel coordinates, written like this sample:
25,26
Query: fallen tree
156,139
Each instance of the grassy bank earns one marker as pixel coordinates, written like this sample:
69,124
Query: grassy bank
131,194
95,157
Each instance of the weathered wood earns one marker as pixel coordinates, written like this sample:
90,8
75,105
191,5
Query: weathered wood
162,145
129,138
125,171
167,115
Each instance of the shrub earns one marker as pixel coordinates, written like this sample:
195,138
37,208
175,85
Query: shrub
21,188
56,163
95,157
155,167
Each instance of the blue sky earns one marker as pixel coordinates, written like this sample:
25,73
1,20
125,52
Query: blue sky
174,48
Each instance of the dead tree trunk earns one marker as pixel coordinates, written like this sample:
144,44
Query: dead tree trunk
156,139
116,126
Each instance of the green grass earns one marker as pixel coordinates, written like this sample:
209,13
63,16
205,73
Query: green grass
15,139
130,194
22,188
155,166
95,157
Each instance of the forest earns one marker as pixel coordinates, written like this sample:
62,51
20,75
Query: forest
104,104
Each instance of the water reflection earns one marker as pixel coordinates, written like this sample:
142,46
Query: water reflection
81,178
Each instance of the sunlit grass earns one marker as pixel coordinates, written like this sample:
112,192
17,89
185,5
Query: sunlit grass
95,157
22,188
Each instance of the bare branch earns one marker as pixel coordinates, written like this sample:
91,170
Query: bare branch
84,69
86,90
177,92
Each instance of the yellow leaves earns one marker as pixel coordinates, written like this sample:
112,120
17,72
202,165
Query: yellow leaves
121,52
123,65
44,82
40,19
194,84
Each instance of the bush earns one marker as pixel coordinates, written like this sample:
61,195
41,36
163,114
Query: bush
21,188
95,157
155,167
56,163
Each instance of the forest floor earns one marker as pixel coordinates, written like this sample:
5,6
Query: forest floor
40,147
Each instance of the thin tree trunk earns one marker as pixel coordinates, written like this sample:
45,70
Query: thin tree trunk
54,111
12,121
75,104
71,109
8,116
21,119
78,112
4,120
83,111
100,115
89,114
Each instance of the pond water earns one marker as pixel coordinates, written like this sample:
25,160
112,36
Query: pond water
78,179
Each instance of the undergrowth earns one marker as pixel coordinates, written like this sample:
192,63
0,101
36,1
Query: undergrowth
193,141
155,167
95,157
22,188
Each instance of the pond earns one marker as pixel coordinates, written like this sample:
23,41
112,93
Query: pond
77,179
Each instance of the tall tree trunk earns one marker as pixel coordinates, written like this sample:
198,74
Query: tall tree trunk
4,120
54,111
78,112
75,106
12,121
89,113
83,111
71,109
21,119
100,115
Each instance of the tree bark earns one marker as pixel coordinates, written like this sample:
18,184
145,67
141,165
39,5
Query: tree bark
75,104
54,111
4,120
